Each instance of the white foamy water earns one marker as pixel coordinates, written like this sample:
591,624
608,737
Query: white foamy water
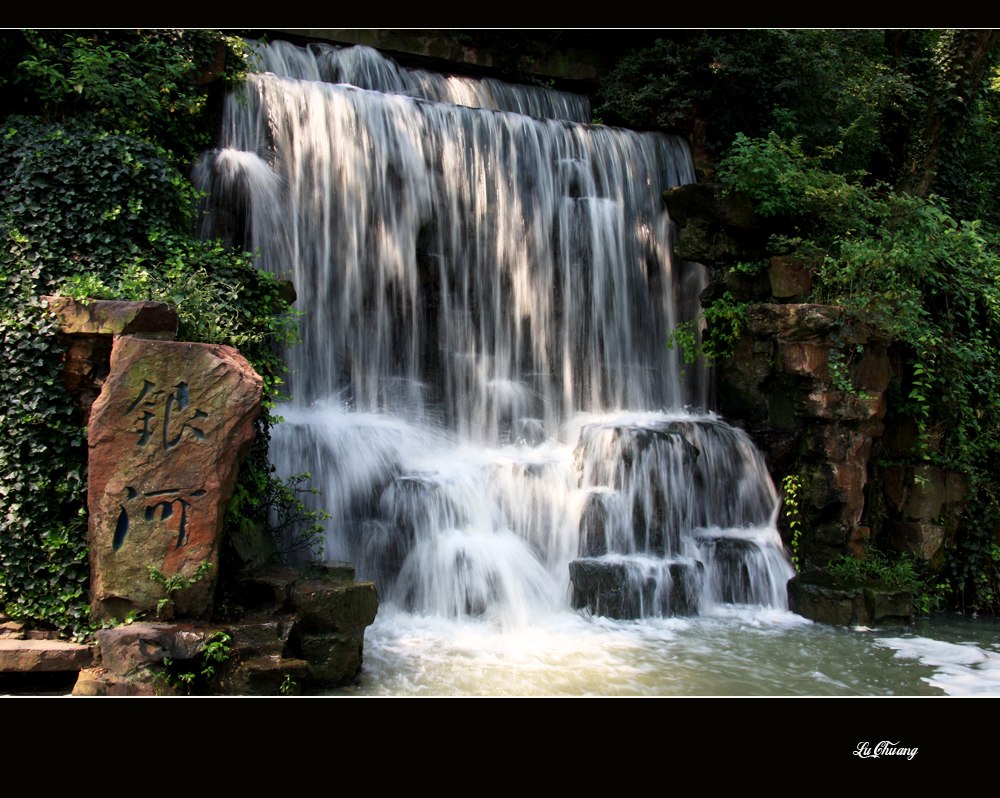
484,396
967,668
733,651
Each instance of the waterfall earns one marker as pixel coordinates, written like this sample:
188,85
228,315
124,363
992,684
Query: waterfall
483,394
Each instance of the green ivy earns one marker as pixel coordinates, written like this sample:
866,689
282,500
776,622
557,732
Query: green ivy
43,554
973,563
95,203
791,499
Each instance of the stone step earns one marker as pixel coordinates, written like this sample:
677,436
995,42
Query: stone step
24,656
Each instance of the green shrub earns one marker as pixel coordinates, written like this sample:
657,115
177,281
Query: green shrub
876,567
152,84
95,204
907,271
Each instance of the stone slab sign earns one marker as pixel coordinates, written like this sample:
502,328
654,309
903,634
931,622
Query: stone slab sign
166,438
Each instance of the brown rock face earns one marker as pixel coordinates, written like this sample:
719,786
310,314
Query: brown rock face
789,277
114,317
811,385
89,327
167,434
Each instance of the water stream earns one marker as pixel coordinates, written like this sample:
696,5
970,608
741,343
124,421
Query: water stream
486,404
735,651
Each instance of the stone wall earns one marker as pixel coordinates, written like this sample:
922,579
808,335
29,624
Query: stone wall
575,58
813,421
812,388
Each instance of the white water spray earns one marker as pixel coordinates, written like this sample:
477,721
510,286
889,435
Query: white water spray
483,393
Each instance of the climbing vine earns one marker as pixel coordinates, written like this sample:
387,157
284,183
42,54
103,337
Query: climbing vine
791,494
43,553
95,202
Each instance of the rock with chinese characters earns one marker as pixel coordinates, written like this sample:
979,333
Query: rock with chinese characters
166,435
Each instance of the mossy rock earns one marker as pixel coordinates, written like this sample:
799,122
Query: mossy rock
819,597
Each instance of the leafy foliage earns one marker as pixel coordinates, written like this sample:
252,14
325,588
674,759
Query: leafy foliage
827,85
43,524
973,563
197,676
896,571
915,109
292,526
726,321
95,203
147,83
876,567
912,274
173,584
851,195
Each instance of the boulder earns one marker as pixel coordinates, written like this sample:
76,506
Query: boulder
789,277
267,675
166,438
333,658
328,605
818,597
134,658
98,682
627,589
306,632
127,648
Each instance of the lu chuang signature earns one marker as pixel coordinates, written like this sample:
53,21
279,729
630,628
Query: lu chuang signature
883,748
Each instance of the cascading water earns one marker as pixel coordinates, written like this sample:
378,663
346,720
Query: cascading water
483,394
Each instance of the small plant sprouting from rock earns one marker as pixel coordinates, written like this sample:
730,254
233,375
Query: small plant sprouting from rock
173,584
195,676
215,653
